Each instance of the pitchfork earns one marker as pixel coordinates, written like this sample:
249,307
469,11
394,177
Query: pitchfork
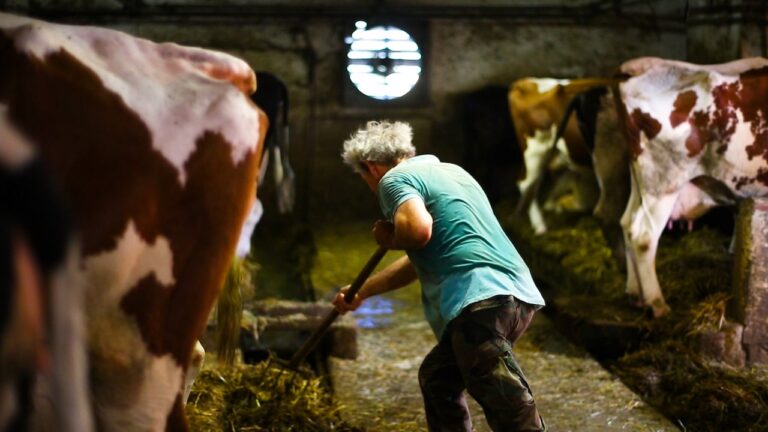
313,340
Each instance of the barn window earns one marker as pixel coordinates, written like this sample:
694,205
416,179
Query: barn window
384,62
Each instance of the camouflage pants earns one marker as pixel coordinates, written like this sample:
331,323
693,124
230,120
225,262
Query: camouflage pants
475,354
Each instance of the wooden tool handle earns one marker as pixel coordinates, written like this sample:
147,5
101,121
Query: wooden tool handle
310,344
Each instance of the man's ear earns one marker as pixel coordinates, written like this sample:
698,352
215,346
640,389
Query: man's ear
368,166
374,169
377,170
364,168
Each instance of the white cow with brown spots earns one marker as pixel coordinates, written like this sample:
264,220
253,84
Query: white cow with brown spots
698,136
156,148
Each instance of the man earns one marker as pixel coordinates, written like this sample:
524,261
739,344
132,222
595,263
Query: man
478,294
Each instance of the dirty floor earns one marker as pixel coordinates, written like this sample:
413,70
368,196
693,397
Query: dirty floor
379,390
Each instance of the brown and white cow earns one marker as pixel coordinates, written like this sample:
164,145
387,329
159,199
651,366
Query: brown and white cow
698,137
156,148
537,106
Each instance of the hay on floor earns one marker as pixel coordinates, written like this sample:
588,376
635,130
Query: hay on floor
262,397
669,369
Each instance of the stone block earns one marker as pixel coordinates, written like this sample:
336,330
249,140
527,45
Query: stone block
757,354
283,326
750,298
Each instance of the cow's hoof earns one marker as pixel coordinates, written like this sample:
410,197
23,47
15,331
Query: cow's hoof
635,301
540,230
660,308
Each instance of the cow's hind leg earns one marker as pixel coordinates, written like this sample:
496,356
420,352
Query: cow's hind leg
633,282
537,156
643,224
196,362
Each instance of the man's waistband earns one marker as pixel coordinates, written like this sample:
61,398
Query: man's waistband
491,302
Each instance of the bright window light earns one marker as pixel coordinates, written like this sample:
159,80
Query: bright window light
405,56
359,68
383,62
360,55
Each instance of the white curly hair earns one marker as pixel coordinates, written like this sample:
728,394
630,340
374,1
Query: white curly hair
379,142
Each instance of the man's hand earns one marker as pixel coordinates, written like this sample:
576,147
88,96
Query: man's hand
342,306
384,234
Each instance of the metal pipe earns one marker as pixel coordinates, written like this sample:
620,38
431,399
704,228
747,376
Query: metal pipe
598,13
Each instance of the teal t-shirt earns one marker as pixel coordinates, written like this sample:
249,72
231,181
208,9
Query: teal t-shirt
469,257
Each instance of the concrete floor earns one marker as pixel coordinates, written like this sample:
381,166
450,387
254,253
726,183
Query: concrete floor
379,390
574,393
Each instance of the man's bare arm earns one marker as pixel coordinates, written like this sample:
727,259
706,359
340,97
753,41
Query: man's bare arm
412,228
396,275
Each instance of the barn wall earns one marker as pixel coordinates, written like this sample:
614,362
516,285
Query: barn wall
722,30
464,54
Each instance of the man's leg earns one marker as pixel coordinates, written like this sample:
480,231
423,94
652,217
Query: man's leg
443,390
482,343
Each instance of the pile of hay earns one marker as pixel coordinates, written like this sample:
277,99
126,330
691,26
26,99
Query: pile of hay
581,251
696,392
695,272
574,260
263,397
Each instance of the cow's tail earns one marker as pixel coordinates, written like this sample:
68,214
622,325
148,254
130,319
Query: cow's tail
230,310
564,122
559,132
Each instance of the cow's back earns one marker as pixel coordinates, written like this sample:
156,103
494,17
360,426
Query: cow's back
538,104
684,121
